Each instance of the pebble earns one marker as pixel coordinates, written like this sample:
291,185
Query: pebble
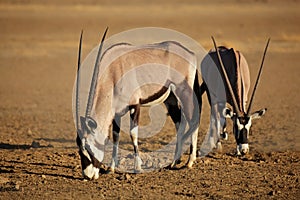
120,178
123,177
17,187
127,177
29,132
76,167
35,144
206,161
272,193
43,176
291,173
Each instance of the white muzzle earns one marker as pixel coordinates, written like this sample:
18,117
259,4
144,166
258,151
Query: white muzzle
91,172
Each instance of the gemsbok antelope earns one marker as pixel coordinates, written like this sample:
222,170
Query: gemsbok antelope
127,77
226,78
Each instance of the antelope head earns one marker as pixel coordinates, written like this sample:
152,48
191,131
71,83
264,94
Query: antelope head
242,121
86,125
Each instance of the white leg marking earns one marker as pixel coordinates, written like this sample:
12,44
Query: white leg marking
213,132
180,132
193,155
134,135
114,161
137,160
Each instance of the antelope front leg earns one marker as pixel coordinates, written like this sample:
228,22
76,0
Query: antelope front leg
176,116
116,136
193,149
214,128
180,127
211,137
221,125
134,116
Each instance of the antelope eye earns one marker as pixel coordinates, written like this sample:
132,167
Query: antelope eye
92,124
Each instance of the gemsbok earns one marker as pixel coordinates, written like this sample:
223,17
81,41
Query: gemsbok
226,79
126,77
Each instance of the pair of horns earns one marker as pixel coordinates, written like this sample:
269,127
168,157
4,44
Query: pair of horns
93,81
236,107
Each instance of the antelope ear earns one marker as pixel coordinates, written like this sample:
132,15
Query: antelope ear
227,113
258,114
78,141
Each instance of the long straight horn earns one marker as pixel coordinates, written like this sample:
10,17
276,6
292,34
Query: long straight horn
257,79
78,82
94,79
236,107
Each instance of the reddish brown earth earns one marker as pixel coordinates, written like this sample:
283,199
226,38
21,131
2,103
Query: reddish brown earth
38,55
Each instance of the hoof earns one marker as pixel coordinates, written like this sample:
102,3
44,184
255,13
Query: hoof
190,162
189,165
219,147
173,164
168,167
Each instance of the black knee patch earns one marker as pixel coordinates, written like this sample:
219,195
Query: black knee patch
175,113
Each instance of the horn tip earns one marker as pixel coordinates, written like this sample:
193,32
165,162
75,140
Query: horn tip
106,30
104,35
268,41
213,39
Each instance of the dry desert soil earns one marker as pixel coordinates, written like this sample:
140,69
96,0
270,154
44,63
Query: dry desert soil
38,54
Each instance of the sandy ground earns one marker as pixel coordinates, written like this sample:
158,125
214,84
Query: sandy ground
38,55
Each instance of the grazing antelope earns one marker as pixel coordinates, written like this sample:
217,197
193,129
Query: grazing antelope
127,77
231,87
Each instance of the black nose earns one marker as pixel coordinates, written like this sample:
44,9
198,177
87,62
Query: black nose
244,152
